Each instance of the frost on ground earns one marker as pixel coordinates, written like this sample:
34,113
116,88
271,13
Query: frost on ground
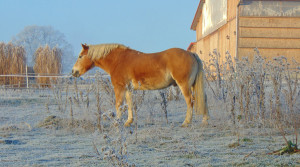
46,128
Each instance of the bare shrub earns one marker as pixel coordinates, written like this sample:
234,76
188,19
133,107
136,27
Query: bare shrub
137,100
213,71
57,90
164,103
107,89
12,61
259,75
284,112
244,86
47,62
71,123
148,102
114,150
97,90
76,96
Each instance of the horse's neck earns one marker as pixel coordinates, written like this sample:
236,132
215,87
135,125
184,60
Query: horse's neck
110,61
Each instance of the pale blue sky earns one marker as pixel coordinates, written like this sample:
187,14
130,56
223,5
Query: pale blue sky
145,25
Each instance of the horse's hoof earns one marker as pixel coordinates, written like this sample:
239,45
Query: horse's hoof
204,123
128,123
184,125
205,118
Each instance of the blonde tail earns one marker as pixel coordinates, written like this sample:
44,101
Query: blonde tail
200,102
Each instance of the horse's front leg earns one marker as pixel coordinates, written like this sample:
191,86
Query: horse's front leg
129,103
119,93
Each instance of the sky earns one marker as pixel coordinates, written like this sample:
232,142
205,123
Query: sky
144,25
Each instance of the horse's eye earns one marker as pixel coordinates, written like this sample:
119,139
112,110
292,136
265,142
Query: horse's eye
80,57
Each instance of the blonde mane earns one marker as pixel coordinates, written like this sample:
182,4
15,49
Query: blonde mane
102,50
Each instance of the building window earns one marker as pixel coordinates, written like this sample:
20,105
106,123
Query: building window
214,15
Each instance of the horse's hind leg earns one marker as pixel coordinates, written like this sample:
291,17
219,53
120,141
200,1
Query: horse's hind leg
186,91
130,114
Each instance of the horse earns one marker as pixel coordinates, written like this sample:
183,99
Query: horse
147,71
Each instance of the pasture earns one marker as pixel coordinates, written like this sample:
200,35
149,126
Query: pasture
253,110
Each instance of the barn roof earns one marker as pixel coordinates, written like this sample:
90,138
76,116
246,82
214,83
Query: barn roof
190,46
199,11
197,15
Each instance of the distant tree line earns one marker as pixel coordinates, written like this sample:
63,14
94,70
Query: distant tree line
47,61
42,48
12,61
33,36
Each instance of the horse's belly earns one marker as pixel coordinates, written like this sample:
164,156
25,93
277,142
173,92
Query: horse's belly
153,82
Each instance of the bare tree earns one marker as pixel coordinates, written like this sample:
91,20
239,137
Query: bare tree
32,37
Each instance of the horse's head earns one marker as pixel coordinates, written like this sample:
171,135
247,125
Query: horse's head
83,63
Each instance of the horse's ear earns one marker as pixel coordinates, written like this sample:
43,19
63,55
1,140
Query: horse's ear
85,46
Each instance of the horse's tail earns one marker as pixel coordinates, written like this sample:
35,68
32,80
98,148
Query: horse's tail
200,99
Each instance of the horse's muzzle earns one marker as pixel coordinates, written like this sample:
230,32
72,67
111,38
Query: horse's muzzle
75,73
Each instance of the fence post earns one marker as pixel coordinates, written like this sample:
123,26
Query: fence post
26,77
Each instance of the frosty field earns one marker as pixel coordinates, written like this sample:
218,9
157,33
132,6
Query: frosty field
47,128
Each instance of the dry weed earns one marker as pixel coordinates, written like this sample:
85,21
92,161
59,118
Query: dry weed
243,87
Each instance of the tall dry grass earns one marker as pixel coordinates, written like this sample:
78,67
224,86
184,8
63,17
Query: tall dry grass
47,62
259,92
12,61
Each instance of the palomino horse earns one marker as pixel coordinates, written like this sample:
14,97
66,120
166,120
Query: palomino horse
147,72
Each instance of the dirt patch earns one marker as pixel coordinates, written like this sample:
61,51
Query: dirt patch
15,127
58,123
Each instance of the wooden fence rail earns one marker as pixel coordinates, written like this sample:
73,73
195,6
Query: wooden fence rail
30,81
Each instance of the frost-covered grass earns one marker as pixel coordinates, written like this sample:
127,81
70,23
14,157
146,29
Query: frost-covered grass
24,143
253,110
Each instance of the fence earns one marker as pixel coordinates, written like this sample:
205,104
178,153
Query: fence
30,80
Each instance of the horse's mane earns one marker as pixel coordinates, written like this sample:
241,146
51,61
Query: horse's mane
102,50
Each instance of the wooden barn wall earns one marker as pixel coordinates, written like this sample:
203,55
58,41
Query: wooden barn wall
231,6
223,39
273,36
199,29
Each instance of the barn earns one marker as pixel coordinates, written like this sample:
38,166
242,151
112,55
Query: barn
239,26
